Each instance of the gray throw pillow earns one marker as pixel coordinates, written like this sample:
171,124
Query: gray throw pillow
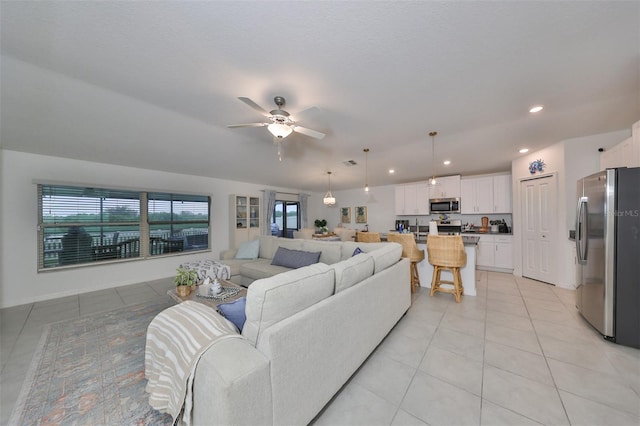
294,258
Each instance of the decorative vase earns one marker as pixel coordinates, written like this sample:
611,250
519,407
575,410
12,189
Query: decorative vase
183,290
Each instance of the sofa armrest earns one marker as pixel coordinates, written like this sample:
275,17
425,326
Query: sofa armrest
232,386
228,254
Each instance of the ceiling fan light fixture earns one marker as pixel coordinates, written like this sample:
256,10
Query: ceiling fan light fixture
329,199
280,131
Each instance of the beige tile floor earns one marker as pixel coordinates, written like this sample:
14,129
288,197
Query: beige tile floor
518,353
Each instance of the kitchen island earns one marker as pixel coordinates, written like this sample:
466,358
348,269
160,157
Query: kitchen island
468,272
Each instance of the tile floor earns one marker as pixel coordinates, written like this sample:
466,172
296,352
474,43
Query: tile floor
516,354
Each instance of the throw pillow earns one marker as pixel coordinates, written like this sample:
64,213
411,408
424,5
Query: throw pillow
234,312
357,251
294,258
248,250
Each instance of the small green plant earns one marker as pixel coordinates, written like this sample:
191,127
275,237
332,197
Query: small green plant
320,223
184,276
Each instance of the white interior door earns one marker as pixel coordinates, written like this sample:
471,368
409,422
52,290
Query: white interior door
539,208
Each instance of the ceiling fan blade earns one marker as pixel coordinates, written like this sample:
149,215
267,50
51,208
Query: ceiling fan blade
313,109
308,132
233,126
255,106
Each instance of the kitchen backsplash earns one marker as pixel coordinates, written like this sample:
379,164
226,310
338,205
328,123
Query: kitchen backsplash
475,219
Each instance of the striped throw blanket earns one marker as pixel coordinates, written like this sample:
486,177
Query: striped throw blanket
176,339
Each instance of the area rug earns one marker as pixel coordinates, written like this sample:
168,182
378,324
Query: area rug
90,371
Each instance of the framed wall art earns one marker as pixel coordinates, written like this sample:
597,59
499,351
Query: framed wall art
345,214
361,214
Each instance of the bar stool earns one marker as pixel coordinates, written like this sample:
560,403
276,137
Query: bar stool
368,237
446,253
411,251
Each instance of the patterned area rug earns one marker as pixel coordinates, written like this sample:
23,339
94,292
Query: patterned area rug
90,371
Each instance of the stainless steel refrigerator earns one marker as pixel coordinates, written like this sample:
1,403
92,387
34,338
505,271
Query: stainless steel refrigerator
608,252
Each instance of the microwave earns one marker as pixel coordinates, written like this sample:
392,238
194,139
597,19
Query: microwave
444,205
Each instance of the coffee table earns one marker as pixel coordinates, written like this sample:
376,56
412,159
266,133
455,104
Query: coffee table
213,303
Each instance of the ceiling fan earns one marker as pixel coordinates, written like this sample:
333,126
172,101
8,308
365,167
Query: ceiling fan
280,123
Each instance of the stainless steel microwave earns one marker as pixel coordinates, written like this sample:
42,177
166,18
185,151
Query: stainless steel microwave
444,205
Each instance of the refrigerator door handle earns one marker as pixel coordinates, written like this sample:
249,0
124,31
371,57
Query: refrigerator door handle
581,231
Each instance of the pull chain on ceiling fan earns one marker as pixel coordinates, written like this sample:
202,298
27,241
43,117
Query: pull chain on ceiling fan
433,157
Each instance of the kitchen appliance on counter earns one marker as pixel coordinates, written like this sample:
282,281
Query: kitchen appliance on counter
449,227
607,241
444,205
402,225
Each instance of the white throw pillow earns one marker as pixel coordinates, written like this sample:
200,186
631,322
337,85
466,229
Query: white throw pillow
248,250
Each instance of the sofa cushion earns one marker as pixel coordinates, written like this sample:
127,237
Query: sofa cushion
331,251
260,268
386,256
235,264
294,258
267,246
273,299
348,247
248,250
288,243
357,251
352,271
234,312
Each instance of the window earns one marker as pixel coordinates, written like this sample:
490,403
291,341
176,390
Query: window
79,225
286,218
177,223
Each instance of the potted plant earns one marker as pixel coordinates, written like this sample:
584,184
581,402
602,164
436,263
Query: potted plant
321,224
185,280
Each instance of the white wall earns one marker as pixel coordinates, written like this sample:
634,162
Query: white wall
570,160
20,281
380,208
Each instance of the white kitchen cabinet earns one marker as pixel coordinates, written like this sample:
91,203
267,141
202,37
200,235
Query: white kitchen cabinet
502,194
624,154
495,251
245,219
412,199
503,254
485,255
445,187
476,195
485,195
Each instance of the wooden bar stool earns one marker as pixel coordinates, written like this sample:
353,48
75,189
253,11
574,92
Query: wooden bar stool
410,250
446,252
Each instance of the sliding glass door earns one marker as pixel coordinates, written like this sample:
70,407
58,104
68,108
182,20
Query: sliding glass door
286,218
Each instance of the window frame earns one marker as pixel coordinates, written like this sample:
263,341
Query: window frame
143,244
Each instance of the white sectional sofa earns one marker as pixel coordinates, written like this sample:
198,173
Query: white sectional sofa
307,331
246,271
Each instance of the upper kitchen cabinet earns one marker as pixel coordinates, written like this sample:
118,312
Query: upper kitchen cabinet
476,195
502,194
412,199
624,154
445,187
485,195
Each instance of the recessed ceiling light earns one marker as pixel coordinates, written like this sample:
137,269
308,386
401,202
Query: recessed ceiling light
523,150
391,171
536,108
447,162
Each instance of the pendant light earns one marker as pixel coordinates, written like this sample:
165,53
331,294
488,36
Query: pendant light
433,158
329,199
366,169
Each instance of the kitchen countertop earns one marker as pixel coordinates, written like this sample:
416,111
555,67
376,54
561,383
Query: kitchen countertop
468,240
487,233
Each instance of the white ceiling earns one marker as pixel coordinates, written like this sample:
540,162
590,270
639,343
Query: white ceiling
154,84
